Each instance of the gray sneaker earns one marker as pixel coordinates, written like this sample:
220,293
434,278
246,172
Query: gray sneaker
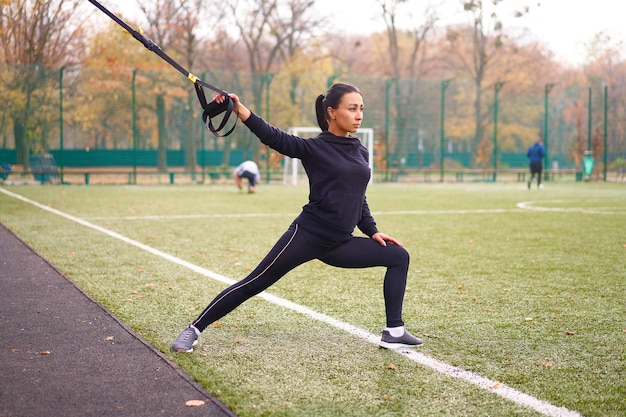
407,339
186,340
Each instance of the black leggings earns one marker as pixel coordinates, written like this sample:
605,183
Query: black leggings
535,168
296,247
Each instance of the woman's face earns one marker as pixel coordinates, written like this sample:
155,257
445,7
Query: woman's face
347,117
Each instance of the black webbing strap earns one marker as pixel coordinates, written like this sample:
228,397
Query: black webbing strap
210,110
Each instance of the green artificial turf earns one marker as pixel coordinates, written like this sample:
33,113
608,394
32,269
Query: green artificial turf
531,298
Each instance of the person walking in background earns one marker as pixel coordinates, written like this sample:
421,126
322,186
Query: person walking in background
535,154
337,168
250,171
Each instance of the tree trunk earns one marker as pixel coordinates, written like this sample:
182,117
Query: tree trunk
190,145
21,142
162,133
478,136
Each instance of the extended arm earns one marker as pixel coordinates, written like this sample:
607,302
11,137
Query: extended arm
277,139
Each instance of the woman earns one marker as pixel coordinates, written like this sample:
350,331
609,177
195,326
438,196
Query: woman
337,167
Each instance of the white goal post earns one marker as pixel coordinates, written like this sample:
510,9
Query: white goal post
292,164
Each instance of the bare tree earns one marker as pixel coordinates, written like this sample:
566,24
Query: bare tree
37,37
476,48
406,57
407,62
175,27
605,74
272,31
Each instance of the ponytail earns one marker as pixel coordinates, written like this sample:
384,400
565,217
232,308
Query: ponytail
321,113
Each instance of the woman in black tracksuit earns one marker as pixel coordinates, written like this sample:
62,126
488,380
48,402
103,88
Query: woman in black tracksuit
336,164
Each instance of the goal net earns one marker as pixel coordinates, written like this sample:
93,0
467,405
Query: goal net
293,171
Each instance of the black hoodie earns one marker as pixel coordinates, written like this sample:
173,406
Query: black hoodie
338,172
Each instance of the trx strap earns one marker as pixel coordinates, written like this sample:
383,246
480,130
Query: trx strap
210,110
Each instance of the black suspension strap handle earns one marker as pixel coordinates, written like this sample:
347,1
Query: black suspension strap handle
210,109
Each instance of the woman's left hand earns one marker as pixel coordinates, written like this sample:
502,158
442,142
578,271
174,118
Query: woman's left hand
240,110
383,239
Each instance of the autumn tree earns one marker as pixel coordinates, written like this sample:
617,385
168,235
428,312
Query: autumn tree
272,32
405,62
605,73
36,37
175,26
101,104
475,49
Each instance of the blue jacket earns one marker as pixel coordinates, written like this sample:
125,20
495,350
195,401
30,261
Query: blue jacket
536,152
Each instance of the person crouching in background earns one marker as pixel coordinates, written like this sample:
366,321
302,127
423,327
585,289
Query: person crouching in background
250,171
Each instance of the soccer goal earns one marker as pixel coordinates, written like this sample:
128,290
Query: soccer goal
292,169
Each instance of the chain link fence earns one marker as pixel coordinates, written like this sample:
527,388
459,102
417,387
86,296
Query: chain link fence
96,120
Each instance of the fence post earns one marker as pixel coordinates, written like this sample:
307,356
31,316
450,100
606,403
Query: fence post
497,88
61,122
606,112
134,104
444,86
546,159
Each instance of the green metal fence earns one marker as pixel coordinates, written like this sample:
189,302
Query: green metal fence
101,117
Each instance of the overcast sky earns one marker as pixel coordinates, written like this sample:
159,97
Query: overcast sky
565,26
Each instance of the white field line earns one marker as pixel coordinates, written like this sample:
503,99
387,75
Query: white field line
523,206
247,215
496,387
192,216
532,205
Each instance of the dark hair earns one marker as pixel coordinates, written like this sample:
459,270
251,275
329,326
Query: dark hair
332,98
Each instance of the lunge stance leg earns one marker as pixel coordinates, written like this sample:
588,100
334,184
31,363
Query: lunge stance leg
364,253
291,250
